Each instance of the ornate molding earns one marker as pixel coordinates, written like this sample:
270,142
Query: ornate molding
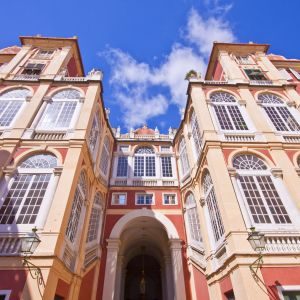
277,172
232,172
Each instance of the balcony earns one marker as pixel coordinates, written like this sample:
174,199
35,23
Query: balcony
143,182
10,244
26,77
285,243
261,82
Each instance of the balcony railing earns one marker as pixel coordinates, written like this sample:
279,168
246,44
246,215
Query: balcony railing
261,82
26,77
143,182
10,245
282,243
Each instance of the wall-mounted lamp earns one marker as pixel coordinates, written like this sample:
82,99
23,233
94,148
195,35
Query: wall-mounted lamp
28,245
257,242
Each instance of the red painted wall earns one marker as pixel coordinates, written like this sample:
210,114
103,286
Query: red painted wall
200,285
62,289
72,69
225,286
86,287
14,281
217,74
276,276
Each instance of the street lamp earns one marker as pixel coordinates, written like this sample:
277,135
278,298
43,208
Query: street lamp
29,244
257,242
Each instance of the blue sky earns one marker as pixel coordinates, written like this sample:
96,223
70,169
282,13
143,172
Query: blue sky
146,47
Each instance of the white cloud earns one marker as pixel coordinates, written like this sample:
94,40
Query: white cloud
133,81
204,32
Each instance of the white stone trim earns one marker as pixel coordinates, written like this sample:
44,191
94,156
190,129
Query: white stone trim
281,288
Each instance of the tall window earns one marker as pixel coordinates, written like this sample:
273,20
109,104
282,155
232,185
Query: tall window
105,157
27,190
122,166
258,189
95,219
228,112
144,162
184,161
255,74
278,112
213,208
60,111
77,207
195,133
94,135
192,219
10,104
33,69
166,166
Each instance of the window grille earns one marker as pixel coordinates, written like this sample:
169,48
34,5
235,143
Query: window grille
170,199
258,189
278,113
10,104
144,162
255,74
184,161
166,166
228,112
33,69
213,208
193,219
119,199
144,199
195,133
105,156
122,166
27,190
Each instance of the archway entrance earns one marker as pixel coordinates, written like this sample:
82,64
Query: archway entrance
143,279
144,235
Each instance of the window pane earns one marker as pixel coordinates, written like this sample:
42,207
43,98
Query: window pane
139,166
223,117
122,166
66,114
8,110
288,118
237,117
170,199
150,166
275,118
94,224
166,166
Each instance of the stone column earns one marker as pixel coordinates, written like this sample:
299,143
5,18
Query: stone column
179,283
118,285
111,269
168,274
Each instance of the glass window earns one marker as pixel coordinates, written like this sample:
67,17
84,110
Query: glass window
255,74
119,199
10,104
213,208
44,54
166,166
144,162
77,207
170,199
193,219
95,219
228,112
122,166
291,295
278,112
260,194
59,112
184,161
143,199
94,135
33,69
244,60
195,133
105,156
27,190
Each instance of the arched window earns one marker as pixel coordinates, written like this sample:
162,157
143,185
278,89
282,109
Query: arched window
77,207
195,133
192,219
213,208
184,161
278,112
94,136
60,111
95,219
261,197
144,162
27,190
228,112
10,104
104,161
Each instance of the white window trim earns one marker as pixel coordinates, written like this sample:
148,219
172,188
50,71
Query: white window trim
284,197
288,288
155,163
118,193
147,193
5,293
294,112
163,199
44,208
16,117
172,166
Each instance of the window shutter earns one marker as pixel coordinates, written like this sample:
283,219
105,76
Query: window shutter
285,74
296,74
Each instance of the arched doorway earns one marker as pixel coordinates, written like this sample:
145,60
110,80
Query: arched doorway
143,278
156,234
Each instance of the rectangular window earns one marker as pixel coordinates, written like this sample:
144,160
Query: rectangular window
170,199
44,54
255,74
33,69
291,295
165,149
119,199
166,165
122,166
244,60
150,166
94,224
144,199
139,166
8,110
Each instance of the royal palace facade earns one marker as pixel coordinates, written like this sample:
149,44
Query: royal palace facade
209,211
